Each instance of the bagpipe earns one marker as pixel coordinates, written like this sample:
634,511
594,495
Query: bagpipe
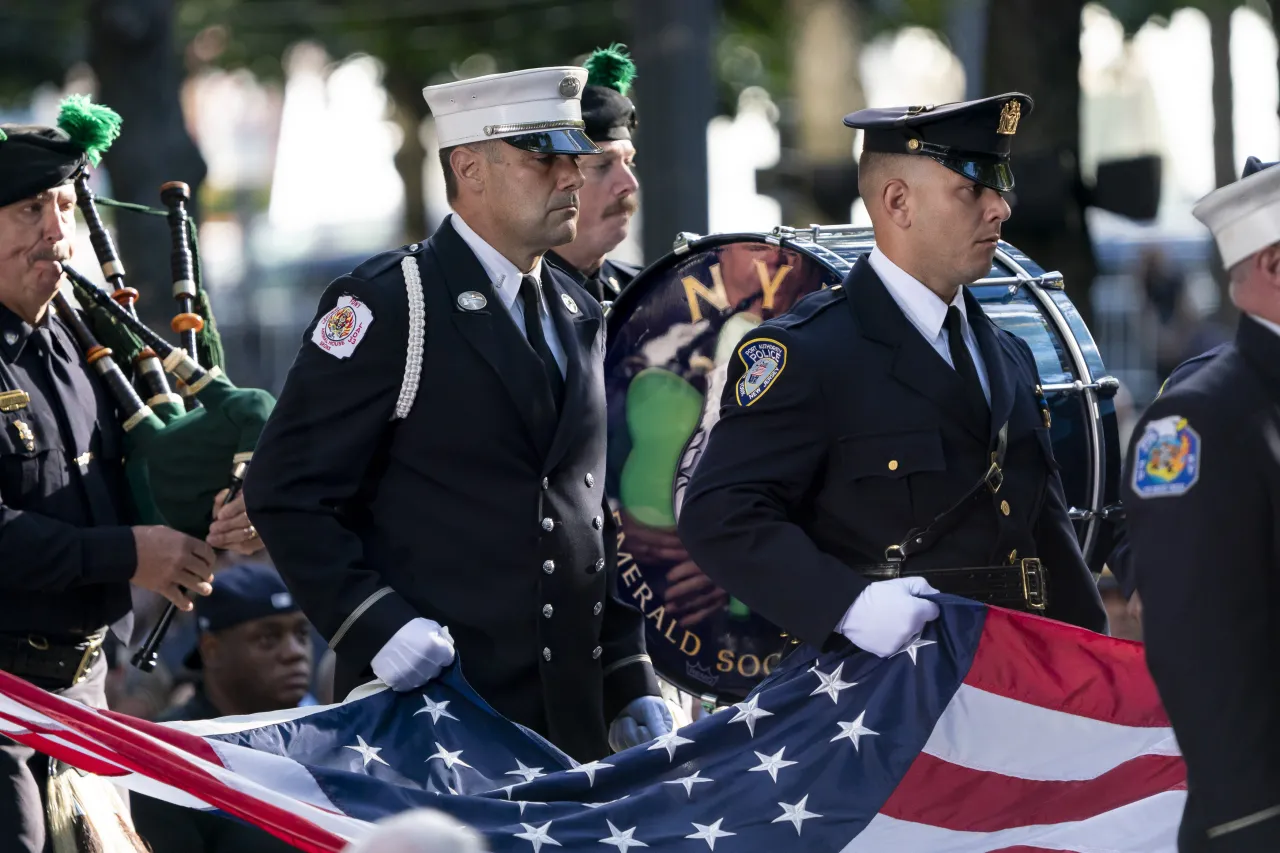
181,449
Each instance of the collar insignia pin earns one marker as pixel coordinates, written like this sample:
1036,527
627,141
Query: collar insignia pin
10,338
25,435
471,301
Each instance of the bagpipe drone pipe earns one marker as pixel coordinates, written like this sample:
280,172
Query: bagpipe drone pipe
179,453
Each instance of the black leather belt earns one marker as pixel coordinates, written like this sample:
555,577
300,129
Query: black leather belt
1023,585
37,656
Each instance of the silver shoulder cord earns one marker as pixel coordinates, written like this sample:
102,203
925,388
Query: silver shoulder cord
417,335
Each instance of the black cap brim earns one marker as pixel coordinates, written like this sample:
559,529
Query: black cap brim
997,174
568,140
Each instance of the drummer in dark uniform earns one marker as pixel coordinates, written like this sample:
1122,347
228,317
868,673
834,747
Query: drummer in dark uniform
433,474
1200,490
887,427
608,195
66,547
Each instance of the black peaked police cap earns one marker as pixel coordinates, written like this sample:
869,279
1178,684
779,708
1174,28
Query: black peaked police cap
969,137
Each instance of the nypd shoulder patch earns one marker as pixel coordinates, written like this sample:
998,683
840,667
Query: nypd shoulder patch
764,359
341,330
1166,459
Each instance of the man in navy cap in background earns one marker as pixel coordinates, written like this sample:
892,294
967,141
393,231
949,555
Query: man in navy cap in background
254,650
433,473
886,430
608,195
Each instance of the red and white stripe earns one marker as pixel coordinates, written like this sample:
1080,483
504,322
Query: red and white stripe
1055,741
180,767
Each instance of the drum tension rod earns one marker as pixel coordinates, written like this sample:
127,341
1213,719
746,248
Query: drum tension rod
1106,386
1110,512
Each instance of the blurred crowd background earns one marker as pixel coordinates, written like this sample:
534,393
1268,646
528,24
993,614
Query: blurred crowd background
301,128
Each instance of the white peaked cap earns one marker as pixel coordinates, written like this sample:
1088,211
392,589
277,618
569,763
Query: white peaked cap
538,109
1244,216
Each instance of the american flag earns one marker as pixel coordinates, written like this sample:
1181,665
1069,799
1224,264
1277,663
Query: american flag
991,731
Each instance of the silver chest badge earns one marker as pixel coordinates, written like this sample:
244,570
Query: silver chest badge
569,303
471,301
10,338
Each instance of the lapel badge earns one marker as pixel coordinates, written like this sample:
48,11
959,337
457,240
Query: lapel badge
569,303
12,401
25,435
472,300
1009,117
11,337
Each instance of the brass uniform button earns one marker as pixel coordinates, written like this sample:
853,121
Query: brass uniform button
1004,507
893,464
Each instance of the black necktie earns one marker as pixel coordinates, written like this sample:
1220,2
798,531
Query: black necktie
962,361
533,331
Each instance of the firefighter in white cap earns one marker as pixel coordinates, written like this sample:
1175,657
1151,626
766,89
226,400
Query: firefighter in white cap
1202,487
432,481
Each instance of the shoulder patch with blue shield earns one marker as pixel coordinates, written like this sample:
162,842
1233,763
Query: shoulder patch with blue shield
764,359
1167,459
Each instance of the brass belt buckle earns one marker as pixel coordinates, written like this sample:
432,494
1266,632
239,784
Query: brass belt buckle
1033,584
90,655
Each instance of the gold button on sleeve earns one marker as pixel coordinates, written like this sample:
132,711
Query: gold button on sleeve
893,464
1004,507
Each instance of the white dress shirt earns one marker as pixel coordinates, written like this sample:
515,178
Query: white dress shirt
505,278
928,313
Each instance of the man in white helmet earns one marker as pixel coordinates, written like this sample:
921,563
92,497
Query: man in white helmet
1201,487
432,478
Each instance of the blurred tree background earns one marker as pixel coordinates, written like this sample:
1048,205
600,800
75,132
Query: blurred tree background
697,57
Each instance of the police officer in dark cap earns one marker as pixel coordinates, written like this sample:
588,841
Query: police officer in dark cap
432,477
608,196
66,547
254,652
886,430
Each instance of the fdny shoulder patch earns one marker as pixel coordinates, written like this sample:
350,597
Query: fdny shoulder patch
764,359
1167,459
341,330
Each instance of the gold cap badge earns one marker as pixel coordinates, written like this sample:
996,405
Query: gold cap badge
1009,118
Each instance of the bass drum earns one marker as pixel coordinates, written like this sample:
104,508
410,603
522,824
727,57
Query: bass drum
671,333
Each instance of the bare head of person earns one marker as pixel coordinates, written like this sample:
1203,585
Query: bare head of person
1243,217
933,180
510,145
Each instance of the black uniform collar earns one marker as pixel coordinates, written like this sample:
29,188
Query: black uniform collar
1261,347
14,334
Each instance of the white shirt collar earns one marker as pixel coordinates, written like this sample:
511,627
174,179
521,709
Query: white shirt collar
503,274
1274,327
923,308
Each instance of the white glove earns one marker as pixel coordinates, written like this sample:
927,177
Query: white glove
644,719
888,614
417,653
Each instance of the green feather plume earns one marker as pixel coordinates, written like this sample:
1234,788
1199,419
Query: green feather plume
612,67
91,126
